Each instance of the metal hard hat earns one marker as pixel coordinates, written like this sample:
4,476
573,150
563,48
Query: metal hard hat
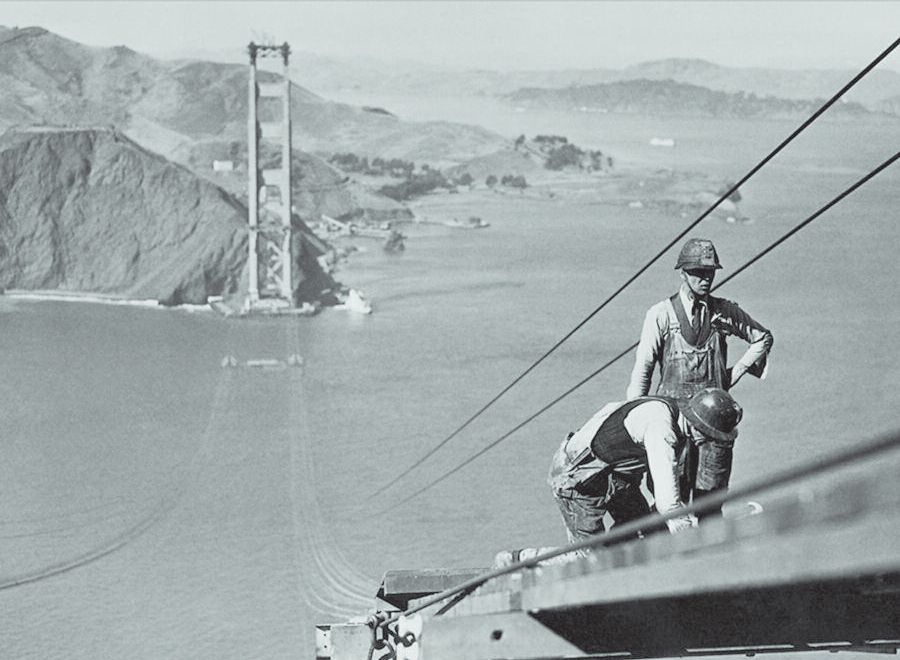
698,253
713,412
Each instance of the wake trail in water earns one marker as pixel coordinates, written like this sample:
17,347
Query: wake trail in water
164,507
327,582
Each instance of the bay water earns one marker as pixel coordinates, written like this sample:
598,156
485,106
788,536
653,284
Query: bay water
156,504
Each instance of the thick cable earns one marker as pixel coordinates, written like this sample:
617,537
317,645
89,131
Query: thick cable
890,161
646,266
887,163
709,503
503,437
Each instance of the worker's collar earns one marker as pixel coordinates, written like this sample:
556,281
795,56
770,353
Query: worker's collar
687,297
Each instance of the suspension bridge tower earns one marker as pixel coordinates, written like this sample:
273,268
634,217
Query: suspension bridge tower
269,189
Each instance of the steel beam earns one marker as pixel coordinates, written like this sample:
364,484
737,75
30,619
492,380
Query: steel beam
818,569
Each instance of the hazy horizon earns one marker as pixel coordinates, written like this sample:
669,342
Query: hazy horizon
500,35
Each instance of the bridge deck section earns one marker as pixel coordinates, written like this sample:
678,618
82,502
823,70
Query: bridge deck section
817,569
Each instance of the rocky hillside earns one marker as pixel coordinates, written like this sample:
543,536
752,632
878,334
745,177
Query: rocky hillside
153,205
92,211
666,97
168,106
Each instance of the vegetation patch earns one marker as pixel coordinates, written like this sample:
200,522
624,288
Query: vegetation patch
558,154
550,152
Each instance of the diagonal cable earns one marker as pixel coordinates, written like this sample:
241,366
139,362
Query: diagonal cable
791,475
890,161
646,266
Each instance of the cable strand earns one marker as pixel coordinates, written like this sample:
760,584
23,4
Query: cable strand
622,354
711,502
645,267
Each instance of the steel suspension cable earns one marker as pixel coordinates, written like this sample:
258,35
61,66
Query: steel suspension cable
646,266
890,161
887,163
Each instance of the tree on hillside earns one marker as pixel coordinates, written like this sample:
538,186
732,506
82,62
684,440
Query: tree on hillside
567,154
465,179
395,167
417,185
514,181
551,139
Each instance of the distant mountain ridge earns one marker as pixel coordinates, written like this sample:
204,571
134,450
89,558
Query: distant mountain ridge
169,105
806,84
666,97
877,92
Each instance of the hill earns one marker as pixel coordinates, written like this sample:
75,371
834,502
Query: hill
805,84
140,208
92,211
666,97
169,105
327,75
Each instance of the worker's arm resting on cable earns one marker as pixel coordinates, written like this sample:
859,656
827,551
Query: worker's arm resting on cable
732,320
652,425
649,351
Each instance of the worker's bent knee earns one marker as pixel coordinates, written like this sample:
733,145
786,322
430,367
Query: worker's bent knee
582,515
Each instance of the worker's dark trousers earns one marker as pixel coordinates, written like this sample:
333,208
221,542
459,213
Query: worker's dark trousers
583,508
703,469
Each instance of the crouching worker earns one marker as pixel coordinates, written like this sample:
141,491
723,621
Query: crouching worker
598,469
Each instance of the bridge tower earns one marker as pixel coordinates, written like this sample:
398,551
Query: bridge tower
269,188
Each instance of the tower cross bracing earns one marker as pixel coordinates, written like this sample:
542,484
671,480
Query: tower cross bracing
269,187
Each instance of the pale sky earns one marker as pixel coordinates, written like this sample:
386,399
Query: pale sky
493,34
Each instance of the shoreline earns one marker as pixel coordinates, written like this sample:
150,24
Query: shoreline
78,296
631,190
55,295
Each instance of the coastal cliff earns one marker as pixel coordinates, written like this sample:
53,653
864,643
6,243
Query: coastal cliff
89,210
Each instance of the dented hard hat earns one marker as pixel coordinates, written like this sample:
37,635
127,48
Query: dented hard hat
698,253
714,413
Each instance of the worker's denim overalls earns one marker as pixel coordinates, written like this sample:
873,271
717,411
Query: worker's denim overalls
690,363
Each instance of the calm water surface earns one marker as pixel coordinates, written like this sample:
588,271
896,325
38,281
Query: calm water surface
156,505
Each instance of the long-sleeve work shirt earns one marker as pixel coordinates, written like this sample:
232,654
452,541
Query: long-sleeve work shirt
652,425
727,318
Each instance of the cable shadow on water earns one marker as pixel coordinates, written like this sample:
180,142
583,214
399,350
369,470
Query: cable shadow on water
220,404
327,582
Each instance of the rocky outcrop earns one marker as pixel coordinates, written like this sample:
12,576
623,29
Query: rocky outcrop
92,211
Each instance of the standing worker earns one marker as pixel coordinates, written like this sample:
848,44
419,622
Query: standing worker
598,469
686,336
